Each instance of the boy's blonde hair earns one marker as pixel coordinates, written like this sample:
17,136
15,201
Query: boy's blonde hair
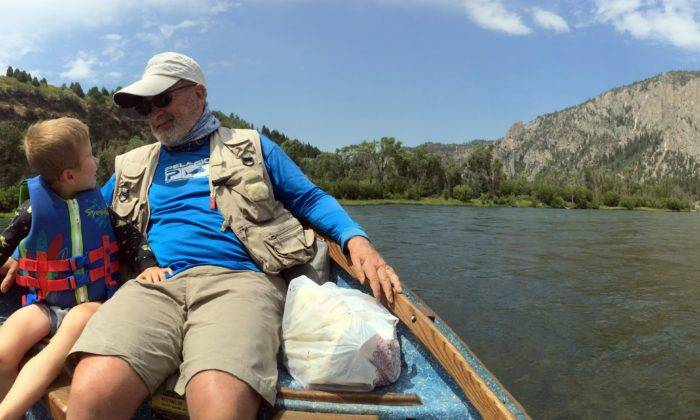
52,146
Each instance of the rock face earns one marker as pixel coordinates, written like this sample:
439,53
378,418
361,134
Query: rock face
649,130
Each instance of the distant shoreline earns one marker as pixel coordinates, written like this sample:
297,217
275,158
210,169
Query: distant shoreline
453,203
523,203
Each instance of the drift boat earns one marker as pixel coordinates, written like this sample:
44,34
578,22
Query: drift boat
441,378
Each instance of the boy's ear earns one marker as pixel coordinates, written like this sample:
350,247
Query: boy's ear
67,176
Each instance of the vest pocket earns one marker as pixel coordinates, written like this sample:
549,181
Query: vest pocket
279,245
248,190
126,195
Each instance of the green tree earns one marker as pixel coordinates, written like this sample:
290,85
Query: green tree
77,89
94,93
9,72
611,199
485,171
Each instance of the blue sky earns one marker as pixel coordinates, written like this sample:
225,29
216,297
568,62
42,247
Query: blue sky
336,72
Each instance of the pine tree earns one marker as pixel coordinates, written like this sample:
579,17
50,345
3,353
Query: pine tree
94,92
75,87
43,81
10,71
35,81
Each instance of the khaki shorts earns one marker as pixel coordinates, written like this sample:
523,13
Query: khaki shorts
201,319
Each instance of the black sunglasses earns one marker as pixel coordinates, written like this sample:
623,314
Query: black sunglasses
145,106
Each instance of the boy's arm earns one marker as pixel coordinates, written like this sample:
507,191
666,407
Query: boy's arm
10,238
133,246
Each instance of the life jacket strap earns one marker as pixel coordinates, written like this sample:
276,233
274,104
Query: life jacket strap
106,273
68,264
106,249
48,285
42,266
107,265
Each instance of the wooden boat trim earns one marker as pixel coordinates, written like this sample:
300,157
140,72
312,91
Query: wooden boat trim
346,397
307,415
472,384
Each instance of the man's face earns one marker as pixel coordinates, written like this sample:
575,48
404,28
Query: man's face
171,123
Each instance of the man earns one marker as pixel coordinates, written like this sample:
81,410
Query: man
220,207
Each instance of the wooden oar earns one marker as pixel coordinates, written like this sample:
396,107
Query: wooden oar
475,388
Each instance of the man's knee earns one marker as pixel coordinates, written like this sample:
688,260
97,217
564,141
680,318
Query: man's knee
214,392
104,383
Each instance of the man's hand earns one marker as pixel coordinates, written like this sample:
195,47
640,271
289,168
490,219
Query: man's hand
154,274
371,267
9,269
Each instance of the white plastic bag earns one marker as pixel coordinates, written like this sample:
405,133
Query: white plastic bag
335,338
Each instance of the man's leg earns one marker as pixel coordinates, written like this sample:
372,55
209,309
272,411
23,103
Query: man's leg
213,394
231,341
131,344
105,387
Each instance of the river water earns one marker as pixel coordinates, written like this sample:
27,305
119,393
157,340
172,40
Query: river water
580,314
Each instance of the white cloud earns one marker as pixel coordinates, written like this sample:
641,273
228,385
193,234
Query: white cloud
114,74
16,44
82,67
115,48
27,24
549,20
168,30
491,14
113,37
670,21
164,32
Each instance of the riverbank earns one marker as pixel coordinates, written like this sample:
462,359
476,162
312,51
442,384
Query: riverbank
518,203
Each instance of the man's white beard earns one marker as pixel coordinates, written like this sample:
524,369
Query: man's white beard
168,138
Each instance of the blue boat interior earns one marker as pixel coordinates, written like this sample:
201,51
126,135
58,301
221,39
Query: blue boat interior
421,374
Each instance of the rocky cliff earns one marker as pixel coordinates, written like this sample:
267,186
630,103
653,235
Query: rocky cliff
649,130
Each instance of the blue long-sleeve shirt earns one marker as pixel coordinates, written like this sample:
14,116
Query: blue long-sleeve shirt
184,232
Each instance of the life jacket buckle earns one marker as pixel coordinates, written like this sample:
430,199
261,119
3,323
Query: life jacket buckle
78,262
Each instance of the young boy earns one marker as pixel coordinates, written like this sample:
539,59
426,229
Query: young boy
68,241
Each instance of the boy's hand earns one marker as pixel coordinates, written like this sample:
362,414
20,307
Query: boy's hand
10,270
154,274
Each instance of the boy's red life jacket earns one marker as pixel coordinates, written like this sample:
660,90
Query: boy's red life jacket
71,254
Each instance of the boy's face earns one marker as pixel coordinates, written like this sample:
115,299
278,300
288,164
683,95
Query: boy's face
85,175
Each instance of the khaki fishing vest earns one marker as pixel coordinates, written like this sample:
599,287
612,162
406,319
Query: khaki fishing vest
240,189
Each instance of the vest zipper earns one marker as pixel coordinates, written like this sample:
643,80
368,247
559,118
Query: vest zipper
76,240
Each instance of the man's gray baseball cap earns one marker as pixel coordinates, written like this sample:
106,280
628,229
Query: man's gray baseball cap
162,71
